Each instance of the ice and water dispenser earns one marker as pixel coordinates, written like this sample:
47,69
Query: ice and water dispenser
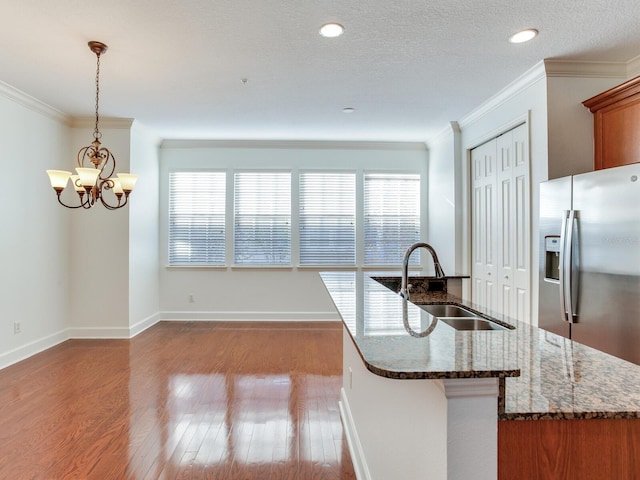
552,258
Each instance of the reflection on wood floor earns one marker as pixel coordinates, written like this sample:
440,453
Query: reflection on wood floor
182,400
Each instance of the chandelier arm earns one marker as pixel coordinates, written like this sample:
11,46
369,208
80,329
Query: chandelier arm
111,207
83,203
109,161
107,184
89,153
82,154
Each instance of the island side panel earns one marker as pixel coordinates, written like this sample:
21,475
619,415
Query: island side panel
592,449
396,428
472,446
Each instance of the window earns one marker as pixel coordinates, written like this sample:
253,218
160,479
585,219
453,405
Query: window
197,218
391,217
262,221
327,218
342,218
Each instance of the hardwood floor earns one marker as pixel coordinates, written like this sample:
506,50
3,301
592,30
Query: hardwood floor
182,400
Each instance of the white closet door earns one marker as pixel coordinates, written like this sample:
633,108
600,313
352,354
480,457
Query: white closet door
505,203
484,230
501,225
522,225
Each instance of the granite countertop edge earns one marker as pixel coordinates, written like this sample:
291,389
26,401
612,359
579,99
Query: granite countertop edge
441,298
527,416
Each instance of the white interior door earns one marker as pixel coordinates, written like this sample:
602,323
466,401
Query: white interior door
484,229
501,225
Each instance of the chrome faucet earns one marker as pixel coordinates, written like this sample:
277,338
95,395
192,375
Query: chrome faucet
404,289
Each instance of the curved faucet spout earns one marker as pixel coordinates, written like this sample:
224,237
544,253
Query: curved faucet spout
404,289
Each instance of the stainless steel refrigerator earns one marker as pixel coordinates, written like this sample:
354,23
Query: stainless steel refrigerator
589,287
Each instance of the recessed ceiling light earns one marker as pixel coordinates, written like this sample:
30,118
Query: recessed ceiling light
331,30
348,110
523,35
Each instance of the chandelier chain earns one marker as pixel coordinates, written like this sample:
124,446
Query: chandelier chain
96,132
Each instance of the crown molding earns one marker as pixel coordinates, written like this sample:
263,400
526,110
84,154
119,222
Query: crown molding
447,132
300,144
33,103
633,67
553,68
105,122
571,68
528,78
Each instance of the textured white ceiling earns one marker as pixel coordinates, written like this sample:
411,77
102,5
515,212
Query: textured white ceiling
408,67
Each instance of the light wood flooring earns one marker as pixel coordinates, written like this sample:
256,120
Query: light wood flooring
182,400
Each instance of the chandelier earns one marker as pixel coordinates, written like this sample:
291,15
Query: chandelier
92,182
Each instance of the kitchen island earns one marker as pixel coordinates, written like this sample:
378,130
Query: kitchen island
444,422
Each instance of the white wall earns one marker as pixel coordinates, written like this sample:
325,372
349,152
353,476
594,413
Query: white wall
262,293
144,270
34,245
445,212
100,249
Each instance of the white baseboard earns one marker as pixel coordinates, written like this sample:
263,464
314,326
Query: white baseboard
115,332
251,316
142,325
25,351
353,441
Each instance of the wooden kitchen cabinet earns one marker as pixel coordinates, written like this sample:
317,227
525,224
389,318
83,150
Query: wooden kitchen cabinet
587,449
616,124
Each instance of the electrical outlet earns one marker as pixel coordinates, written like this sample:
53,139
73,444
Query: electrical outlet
16,327
191,298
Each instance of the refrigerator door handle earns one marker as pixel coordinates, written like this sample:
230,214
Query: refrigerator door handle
562,270
568,266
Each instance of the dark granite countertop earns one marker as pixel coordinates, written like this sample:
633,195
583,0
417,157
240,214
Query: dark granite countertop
542,375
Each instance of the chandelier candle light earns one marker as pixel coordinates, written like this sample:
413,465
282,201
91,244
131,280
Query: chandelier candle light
91,183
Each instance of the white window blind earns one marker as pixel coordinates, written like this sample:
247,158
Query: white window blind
327,218
197,218
391,217
262,218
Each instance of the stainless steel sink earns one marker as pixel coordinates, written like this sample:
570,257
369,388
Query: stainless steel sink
462,323
460,318
449,311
